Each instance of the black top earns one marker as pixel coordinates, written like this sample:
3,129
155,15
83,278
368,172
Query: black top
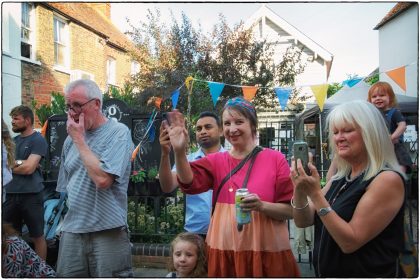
393,117
25,146
377,258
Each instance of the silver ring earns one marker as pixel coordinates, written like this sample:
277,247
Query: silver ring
294,177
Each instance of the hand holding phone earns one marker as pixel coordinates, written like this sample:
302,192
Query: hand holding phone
300,151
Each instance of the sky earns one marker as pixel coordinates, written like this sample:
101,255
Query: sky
342,28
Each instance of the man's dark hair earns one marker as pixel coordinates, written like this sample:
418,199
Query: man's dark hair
210,114
24,111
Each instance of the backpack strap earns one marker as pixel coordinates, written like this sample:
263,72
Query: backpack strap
252,155
389,115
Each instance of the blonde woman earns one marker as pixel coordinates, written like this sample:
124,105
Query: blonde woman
358,215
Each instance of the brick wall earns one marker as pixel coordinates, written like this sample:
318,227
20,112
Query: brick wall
88,52
123,67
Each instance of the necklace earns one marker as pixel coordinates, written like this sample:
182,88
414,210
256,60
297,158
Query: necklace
239,165
349,179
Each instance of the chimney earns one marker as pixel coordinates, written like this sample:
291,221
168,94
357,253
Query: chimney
104,8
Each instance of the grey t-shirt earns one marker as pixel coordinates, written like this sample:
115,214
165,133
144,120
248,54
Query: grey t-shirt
25,146
91,209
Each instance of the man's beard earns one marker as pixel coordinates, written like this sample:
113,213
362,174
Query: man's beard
18,129
207,144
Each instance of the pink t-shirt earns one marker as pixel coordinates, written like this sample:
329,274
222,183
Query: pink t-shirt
269,177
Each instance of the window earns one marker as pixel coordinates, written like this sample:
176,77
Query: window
26,31
135,67
60,42
80,74
110,71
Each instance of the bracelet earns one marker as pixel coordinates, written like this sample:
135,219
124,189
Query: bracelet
298,208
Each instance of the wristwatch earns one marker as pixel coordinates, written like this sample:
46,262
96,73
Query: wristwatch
19,162
324,211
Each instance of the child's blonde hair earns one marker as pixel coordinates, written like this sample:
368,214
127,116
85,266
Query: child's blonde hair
200,269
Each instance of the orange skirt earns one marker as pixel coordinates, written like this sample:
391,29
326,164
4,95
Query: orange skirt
261,249
251,264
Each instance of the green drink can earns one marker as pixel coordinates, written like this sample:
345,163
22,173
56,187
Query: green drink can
241,216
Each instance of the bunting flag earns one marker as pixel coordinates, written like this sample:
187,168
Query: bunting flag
174,98
44,129
135,152
398,76
249,92
158,101
188,82
320,93
215,90
352,82
283,96
320,90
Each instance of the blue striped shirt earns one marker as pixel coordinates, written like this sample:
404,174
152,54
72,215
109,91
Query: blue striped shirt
91,209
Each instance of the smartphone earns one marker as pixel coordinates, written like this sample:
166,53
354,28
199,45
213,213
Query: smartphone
165,116
300,150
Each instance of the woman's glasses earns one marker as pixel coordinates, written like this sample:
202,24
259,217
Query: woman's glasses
77,108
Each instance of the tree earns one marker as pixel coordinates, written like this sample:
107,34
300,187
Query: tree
232,56
44,111
333,88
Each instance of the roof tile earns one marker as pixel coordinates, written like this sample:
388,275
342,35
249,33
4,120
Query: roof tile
395,11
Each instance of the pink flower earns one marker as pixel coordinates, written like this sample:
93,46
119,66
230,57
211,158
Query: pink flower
135,172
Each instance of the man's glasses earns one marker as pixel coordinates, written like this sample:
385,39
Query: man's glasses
77,108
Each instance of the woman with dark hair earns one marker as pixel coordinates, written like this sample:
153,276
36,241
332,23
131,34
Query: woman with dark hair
260,248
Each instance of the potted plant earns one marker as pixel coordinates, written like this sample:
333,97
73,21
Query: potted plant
138,182
153,181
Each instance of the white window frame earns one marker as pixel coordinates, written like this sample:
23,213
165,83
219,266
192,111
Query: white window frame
111,70
77,74
135,67
30,28
63,41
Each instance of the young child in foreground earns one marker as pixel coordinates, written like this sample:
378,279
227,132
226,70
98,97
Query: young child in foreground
188,257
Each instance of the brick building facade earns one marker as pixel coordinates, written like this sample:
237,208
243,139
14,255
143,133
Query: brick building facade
64,42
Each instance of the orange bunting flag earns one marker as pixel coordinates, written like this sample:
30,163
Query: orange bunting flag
158,101
398,76
44,129
249,92
188,82
320,93
135,152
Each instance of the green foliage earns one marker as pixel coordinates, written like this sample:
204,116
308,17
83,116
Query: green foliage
372,79
333,88
138,176
158,229
45,111
169,54
126,94
152,173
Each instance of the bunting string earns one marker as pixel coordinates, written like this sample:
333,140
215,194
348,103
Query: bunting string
283,93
